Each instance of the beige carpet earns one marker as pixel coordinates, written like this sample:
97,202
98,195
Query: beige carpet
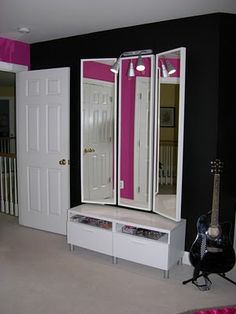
39,274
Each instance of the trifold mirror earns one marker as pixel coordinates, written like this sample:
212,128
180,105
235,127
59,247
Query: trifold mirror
143,168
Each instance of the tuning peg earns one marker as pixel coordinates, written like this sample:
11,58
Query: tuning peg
216,166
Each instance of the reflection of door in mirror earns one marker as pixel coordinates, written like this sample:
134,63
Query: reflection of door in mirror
135,135
169,134
98,123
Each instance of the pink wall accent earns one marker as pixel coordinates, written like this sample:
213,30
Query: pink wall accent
98,71
12,51
176,64
127,124
223,310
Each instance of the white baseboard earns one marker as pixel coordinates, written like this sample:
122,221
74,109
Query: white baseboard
186,260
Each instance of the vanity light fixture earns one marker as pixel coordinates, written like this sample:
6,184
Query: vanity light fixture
164,70
131,69
140,66
170,67
167,68
115,66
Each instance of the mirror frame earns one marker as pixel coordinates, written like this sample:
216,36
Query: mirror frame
182,52
151,121
83,200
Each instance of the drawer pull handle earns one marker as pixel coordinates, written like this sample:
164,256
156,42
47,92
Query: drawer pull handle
88,230
139,242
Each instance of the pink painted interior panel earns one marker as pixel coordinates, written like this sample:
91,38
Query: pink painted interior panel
16,52
127,125
176,64
98,71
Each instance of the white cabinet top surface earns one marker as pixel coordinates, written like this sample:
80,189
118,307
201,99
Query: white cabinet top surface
127,216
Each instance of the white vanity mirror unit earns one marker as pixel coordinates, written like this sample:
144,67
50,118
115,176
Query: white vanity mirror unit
169,132
98,131
149,162
136,111
150,137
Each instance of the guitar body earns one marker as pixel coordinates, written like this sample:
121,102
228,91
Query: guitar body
212,255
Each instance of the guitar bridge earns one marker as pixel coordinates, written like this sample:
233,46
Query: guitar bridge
214,249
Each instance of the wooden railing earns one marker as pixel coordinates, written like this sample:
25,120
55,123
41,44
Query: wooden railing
8,184
8,145
168,162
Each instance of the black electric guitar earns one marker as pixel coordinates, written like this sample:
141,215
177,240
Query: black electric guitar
212,251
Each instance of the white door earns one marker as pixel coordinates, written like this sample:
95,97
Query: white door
98,123
43,148
141,139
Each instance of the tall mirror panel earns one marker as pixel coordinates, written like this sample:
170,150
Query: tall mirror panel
98,131
169,128
136,132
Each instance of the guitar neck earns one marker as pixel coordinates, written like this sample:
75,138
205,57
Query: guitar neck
215,201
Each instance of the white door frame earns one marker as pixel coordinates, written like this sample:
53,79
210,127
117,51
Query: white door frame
14,68
11,122
12,129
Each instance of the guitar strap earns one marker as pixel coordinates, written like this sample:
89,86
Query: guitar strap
203,246
207,283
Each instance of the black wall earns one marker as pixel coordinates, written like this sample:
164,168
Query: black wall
209,106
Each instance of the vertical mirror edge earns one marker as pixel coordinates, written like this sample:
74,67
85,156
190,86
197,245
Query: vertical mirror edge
83,199
178,200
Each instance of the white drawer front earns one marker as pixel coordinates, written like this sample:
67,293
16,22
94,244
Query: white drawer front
141,250
90,237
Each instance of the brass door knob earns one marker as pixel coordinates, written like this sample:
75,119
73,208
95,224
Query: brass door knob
62,162
89,150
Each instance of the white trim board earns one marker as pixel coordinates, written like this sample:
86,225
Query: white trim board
11,67
186,260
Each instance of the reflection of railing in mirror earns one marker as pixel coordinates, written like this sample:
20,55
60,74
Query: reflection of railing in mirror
169,124
167,166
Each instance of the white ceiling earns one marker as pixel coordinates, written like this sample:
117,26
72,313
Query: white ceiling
51,19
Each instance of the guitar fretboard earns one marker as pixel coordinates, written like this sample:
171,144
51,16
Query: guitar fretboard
215,201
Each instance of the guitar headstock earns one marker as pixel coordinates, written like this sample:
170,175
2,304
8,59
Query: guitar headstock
217,166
